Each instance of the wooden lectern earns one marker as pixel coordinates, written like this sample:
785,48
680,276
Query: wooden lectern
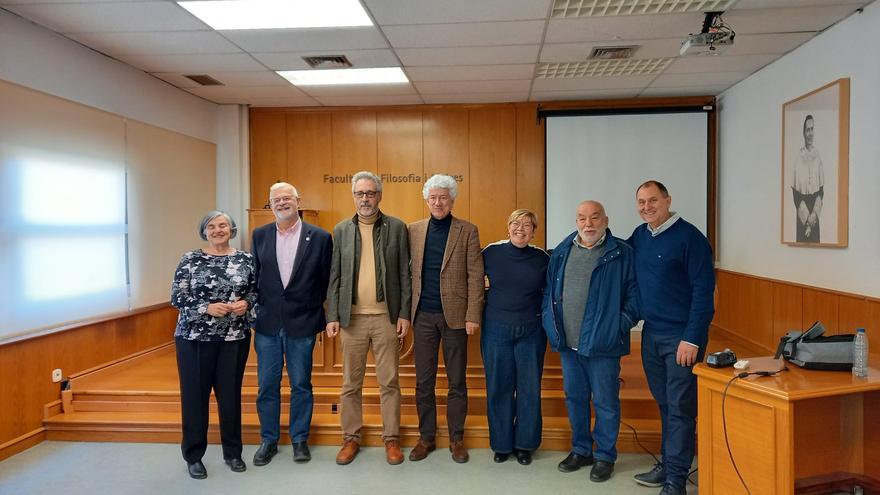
787,432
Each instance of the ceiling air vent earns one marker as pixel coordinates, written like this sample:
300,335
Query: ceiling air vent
612,52
610,8
203,79
327,61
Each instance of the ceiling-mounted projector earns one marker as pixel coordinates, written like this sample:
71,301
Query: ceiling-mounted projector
714,38
706,43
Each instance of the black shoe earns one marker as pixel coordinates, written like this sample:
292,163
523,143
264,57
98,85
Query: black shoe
671,490
236,465
574,462
265,453
197,470
499,457
523,457
601,471
653,478
301,452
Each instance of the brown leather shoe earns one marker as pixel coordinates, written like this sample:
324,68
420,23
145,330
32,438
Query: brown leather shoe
392,452
421,450
459,452
348,452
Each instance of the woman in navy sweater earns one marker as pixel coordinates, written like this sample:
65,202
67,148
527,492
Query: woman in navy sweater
512,340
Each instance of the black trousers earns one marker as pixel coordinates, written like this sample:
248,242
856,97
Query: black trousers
428,331
203,366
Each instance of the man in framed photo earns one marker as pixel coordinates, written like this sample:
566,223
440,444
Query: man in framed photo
808,186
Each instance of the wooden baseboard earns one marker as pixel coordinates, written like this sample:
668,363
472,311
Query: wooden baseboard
22,443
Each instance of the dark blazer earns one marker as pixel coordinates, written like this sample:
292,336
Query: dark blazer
299,308
462,282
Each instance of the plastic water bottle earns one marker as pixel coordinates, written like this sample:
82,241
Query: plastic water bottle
860,354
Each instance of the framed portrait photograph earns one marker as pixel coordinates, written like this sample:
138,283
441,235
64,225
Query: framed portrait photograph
815,167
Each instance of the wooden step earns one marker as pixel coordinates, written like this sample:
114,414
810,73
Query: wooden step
164,427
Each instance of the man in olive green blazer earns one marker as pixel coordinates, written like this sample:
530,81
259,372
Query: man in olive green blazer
369,300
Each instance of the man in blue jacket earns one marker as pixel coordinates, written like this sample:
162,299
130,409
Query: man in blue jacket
676,280
590,305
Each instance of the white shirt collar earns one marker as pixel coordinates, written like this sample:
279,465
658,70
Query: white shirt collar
663,226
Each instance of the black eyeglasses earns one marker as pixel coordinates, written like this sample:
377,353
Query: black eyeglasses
368,194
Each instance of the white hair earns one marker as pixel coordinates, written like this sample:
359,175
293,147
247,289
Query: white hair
364,175
283,185
440,181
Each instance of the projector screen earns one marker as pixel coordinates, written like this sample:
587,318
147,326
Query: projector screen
605,157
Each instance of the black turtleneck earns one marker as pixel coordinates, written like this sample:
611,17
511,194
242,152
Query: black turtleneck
435,248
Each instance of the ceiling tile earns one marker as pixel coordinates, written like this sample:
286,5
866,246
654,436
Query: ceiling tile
301,101
468,34
631,27
471,72
583,83
570,52
477,98
766,4
583,94
775,43
455,87
358,58
388,12
209,92
488,55
341,101
685,91
721,63
359,90
111,17
299,40
157,43
238,78
786,20
193,64
699,79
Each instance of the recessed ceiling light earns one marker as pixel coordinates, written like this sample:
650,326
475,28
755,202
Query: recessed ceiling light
277,14
328,77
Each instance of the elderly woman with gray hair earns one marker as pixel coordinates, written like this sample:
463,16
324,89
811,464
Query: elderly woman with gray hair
214,288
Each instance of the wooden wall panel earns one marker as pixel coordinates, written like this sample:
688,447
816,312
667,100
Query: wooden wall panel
787,310
492,152
853,312
872,328
268,137
821,306
400,154
25,383
530,180
354,149
446,152
309,145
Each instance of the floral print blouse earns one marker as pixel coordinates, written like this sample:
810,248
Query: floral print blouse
202,279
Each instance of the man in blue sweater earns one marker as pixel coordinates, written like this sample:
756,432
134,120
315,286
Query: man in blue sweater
676,280
590,304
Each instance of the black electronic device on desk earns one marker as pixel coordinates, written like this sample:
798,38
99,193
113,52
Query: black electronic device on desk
721,359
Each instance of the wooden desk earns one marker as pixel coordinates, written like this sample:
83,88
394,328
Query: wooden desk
799,424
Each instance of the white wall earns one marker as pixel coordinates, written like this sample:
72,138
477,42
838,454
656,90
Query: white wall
750,154
38,58
233,170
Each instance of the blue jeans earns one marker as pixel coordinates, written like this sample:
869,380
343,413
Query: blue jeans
513,356
272,351
674,388
596,378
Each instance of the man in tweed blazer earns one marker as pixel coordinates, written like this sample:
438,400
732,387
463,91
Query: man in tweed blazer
447,301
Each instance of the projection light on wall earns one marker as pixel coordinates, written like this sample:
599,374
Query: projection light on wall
74,195
64,267
331,77
276,14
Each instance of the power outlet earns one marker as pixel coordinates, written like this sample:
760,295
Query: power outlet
56,375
